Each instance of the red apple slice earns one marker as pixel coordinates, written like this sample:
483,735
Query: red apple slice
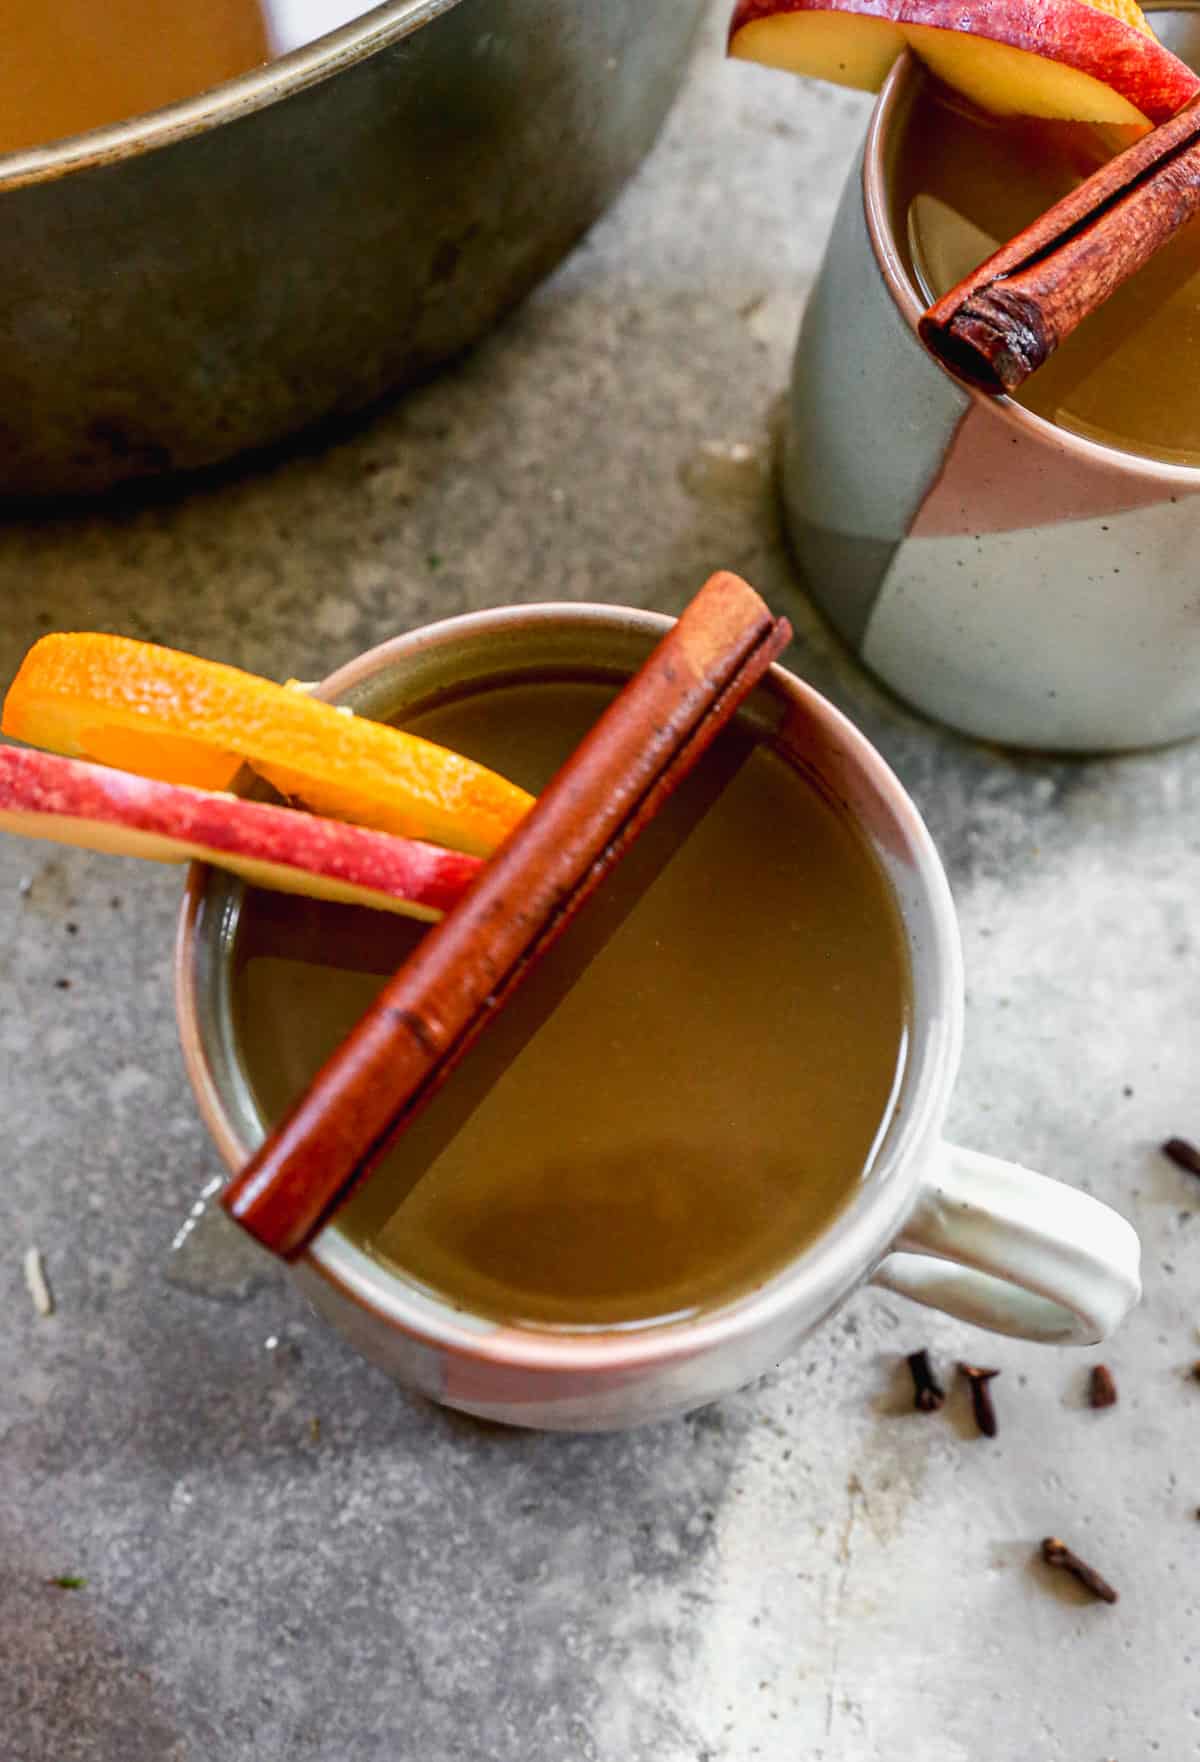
1080,60
72,802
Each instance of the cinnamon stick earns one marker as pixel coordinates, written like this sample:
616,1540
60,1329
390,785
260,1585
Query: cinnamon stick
464,970
1008,316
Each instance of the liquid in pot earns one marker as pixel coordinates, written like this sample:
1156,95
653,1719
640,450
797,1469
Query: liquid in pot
71,65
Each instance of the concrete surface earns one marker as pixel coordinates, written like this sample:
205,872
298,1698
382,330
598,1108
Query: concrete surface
808,1570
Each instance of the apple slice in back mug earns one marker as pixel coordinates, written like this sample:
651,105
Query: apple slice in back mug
1079,60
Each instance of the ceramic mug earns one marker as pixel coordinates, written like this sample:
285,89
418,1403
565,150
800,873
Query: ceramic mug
983,1239
1014,580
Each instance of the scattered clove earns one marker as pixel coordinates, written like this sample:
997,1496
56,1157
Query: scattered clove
1102,1388
928,1394
1183,1154
981,1396
1056,1553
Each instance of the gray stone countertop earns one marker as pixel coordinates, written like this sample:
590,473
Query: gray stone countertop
805,1570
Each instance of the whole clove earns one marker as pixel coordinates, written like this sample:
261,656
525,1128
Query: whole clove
1102,1388
981,1396
928,1394
1183,1154
1056,1553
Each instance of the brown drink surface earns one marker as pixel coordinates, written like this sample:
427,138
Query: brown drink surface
696,1107
965,183
70,65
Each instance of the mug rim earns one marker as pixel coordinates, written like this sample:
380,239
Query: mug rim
825,1270
895,95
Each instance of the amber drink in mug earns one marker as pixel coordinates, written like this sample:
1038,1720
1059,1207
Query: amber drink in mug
1022,569
712,1112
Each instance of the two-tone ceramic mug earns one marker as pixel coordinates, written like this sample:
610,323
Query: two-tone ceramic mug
1023,584
982,1239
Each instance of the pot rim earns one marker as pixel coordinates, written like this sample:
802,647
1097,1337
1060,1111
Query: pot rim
895,96
247,92
823,1272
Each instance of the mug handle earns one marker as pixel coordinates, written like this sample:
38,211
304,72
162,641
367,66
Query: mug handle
994,1244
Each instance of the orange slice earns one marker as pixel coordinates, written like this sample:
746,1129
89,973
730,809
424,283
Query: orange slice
180,719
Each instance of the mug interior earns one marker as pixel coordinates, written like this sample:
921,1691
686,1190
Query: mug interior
1177,24
415,672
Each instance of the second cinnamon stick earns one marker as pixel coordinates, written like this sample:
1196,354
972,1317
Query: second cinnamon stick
1005,319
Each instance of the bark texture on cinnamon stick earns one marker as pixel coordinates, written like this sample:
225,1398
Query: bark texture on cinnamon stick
1008,316
467,967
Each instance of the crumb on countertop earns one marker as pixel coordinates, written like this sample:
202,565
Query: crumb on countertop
35,1280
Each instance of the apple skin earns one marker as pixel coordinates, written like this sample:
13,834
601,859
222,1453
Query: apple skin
70,801
1073,33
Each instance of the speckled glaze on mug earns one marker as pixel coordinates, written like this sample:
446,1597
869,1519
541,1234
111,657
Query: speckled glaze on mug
1019,582
983,1239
